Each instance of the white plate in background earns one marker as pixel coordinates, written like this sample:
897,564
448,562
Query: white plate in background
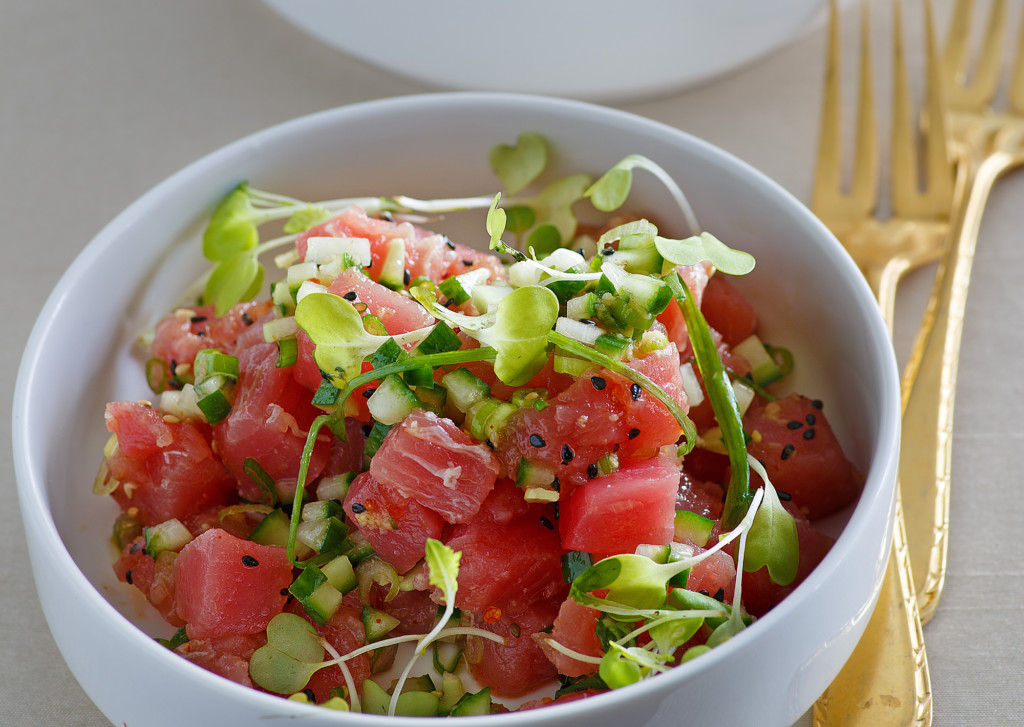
589,49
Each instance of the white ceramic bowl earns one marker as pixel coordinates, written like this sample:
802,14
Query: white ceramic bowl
586,49
812,296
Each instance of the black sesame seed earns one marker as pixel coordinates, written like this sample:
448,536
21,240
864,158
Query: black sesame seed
350,295
592,471
136,546
556,485
128,577
449,303
358,508
309,693
787,450
567,454
198,319
704,591
588,322
795,424
537,441
201,334
467,263
817,404
284,591
783,495
633,434
247,319
367,429
808,434
406,277
719,595
635,391
249,562
368,393
547,523
449,243
387,216
608,251
556,511
810,419
598,382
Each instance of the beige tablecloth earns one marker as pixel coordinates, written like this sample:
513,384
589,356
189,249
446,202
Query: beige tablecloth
100,100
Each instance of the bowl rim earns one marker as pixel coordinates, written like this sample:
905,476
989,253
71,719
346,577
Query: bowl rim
32,490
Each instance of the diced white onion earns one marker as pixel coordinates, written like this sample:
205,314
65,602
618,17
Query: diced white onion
280,328
523,273
744,395
181,403
300,272
582,332
307,287
563,259
691,385
323,250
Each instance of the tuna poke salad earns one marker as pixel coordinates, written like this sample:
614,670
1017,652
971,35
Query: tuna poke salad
420,477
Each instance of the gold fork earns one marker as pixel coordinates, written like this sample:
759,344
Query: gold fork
988,143
886,680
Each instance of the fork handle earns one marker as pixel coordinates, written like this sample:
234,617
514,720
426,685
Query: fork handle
929,391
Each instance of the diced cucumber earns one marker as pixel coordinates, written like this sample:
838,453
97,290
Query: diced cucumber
582,306
320,599
321,250
326,394
574,562
488,417
392,401
459,288
324,536
334,487
578,331
168,535
473,704
409,704
377,434
377,623
613,345
440,340
464,388
533,474
392,271
434,398
764,370
299,273
693,527
422,683
320,509
389,352
340,574
451,692
421,378
272,530
375,700
357,548
744,394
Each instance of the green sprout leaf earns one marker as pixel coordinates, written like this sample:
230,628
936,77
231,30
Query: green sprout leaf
306,217
444,570
554,205
772,540
235,279
292,654
544,239
520,218
232,227
336,328
611,191
705,246
517,166
631,580
517,329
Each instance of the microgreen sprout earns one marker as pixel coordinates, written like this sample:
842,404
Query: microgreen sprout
518,165
611,191
342,342
516,329
772,540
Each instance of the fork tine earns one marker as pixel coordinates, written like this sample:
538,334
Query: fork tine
908,199
1016,93
904,161
828,198
864,185
979,90
827,173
